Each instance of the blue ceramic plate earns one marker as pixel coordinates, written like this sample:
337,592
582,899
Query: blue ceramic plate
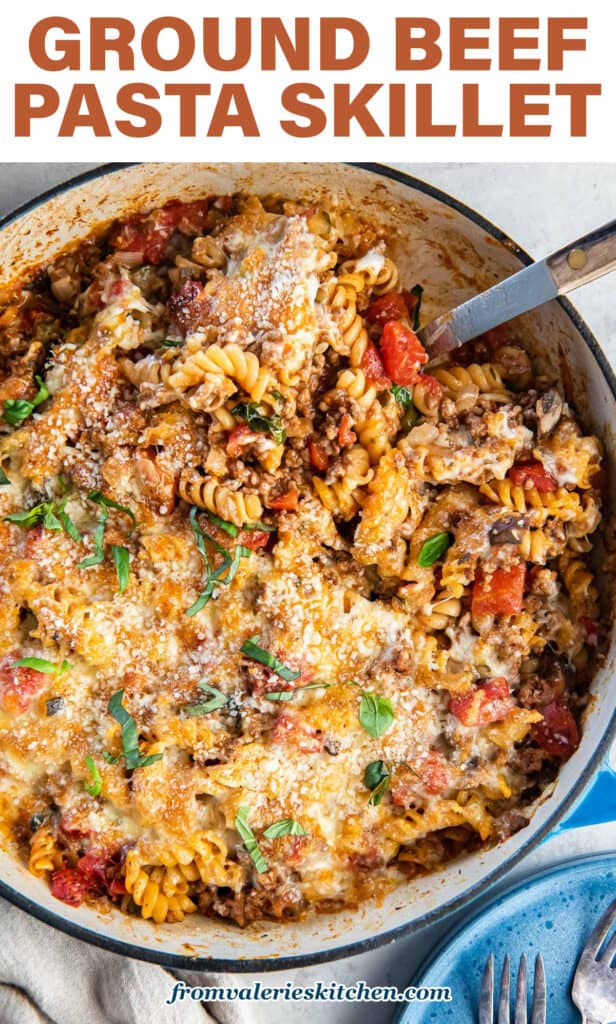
553,914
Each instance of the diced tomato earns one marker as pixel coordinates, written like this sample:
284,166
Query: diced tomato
100,868
372,365
190,216
70,886
286,502
434,773
499,593
238,438
392,306
489,702
592,630
532,474
292,730
18,686
149,235
346,436
296,849
558,733
254,539
318,456
402,352
431,385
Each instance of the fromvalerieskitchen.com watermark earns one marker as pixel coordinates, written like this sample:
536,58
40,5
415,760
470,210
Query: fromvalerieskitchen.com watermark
328,992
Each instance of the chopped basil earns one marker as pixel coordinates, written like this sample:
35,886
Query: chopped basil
285,827
433,548
4,480
251,413
16,410
376,714
99,543
42,665
225,572
54,706
130,740
248,838
94,787
252,650
99,498
219,700
260,526
290,694
52,516
229,528
376,779
171,343
121,560
417,290
403,396
66,522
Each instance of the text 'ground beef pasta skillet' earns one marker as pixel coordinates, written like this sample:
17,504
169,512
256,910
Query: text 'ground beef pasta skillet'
289,623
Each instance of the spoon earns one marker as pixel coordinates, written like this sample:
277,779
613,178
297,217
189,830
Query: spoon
576,264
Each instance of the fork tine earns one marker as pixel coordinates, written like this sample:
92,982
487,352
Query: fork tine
520,995
599,932
503,999
609,952
486,998
538,1008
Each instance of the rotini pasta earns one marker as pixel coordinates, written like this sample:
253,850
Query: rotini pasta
237,507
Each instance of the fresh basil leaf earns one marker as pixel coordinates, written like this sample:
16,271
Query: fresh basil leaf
53,517
248,838
16,410
42,665
229,528
376,714
130,740
376,779
111,758
252,650
282,695
285,827
434,548
260,526
403,396
121,560
95,786
99,543
239,553
100,499
219,700
67,523
418,291
171,343
4,480
251,413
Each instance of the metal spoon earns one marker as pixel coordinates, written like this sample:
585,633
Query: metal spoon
574,265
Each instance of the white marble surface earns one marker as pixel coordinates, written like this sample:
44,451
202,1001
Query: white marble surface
541,206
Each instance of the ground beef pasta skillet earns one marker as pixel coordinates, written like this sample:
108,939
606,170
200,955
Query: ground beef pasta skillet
286,618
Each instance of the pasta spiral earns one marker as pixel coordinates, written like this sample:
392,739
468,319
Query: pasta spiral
44,853
355,384
562,504
238,507
464,383
442,611
579,582
149,370
343,497
231,361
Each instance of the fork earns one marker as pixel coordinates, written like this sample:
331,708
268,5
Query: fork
486,998
594,982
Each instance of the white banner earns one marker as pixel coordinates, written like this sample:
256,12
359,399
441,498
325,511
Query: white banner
392,82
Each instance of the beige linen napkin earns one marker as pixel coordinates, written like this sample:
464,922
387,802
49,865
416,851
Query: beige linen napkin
47,977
